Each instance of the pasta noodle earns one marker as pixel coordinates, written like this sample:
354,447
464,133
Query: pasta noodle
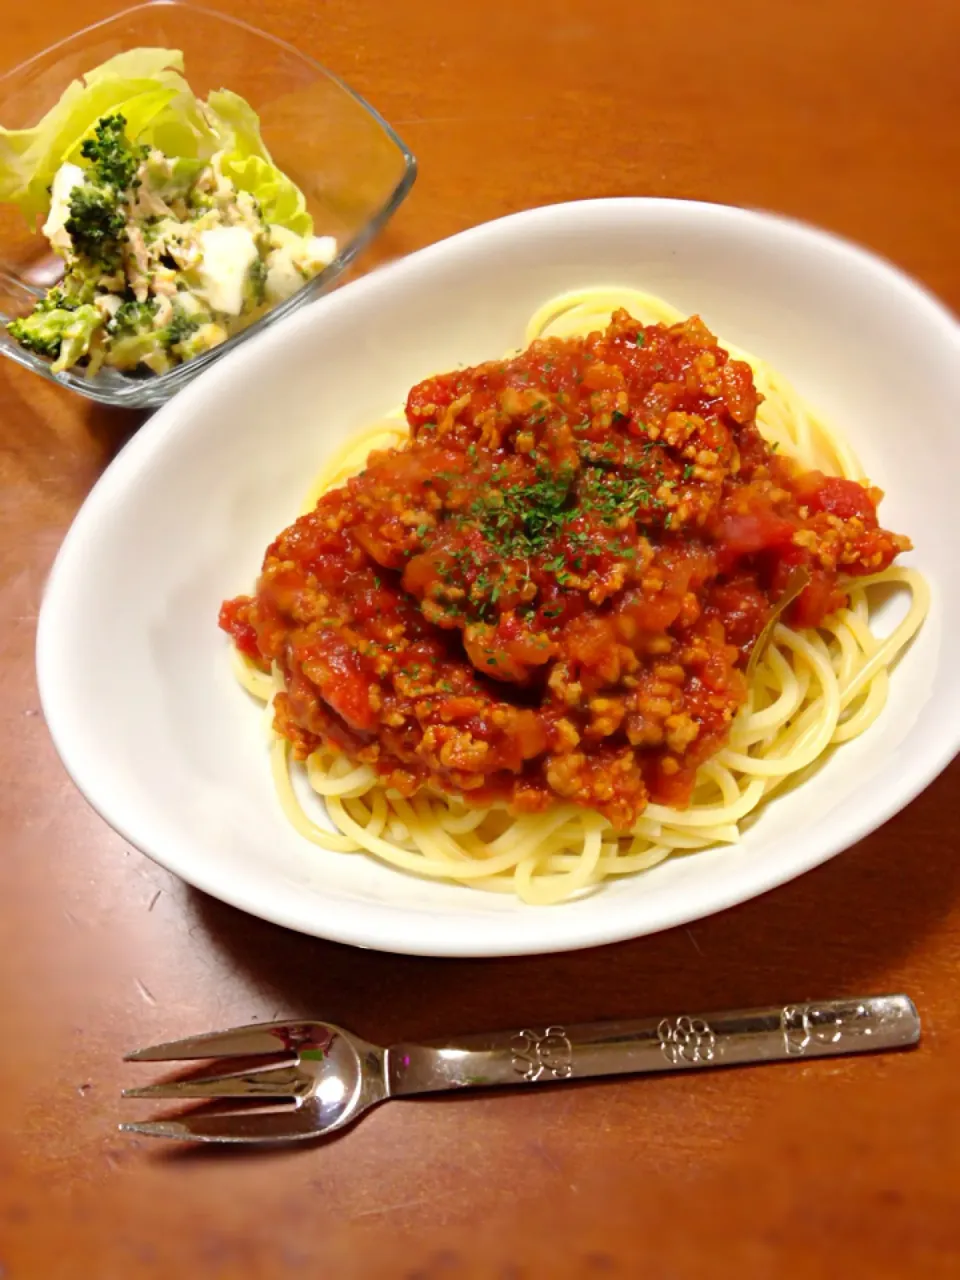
809,691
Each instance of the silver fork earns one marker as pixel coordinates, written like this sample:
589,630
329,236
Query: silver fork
320,1077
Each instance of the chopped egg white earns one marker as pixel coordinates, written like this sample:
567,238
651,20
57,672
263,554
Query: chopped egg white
65,179
322,249
282,278
295,260
227,254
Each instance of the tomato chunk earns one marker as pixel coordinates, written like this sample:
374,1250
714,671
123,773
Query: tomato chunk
550,591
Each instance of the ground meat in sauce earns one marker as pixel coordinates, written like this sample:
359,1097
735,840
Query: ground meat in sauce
552,590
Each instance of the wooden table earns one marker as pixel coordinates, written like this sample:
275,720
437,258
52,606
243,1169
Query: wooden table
832,110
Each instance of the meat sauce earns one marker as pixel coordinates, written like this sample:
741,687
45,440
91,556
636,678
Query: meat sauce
552,590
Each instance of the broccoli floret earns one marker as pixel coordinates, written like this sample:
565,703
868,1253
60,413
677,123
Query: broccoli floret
95,224
57,300
79,285
61,334
137,319
97,216
133,317
128,351
207,336
74,290
134,340
36,334
179,328
113,160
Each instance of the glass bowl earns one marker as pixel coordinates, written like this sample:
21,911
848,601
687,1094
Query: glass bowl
351,166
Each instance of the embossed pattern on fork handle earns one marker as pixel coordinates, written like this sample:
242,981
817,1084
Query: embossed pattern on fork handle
542,1054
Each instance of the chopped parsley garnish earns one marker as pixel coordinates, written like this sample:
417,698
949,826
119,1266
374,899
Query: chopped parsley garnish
522,520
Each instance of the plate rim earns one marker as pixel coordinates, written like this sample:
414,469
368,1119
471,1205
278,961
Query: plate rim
400,931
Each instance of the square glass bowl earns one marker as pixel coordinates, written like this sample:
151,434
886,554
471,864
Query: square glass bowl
352,168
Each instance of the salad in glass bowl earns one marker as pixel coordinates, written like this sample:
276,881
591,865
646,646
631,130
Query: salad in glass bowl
263,144
175,227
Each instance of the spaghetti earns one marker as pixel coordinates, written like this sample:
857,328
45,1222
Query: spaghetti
809,688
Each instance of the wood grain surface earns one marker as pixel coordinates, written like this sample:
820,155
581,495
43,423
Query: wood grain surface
836,111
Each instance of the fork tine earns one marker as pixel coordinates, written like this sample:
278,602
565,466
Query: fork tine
239,1042
281,1081
291,1125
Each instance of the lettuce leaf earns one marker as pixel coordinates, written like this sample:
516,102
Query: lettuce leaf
246,161
63,333
30,157
148,88
280,200
182,131
238,124
138,111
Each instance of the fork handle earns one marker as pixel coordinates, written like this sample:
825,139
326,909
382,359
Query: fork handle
540,1055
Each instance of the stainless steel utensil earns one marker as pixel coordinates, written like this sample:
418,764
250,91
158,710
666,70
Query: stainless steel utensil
320,1077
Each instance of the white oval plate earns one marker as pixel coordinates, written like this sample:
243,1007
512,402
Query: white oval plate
134,674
